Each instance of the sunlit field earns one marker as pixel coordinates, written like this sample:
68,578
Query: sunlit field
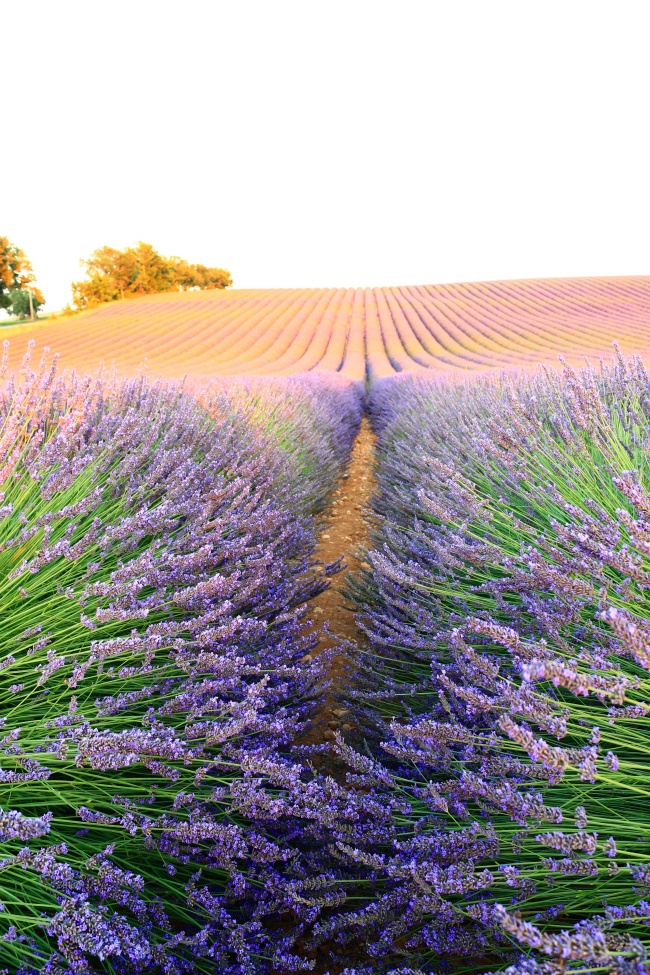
451,329
223,753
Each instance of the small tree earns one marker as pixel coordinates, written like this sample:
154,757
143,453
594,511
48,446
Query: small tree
21,306
16,274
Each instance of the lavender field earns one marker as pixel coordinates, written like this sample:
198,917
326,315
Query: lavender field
171,802
325,487
507,610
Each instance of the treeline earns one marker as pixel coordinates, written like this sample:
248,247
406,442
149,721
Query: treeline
140,270
111,275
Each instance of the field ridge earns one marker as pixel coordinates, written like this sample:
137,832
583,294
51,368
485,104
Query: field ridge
363,333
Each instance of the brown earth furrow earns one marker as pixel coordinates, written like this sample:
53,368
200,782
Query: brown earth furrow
346,532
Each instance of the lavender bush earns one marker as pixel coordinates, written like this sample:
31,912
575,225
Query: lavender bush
312,419
156,556
506,686
156,560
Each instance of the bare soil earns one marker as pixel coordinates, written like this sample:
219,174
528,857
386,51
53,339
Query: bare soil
345,534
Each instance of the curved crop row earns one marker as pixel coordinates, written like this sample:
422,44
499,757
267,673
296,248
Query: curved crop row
372,332
156,556
506,688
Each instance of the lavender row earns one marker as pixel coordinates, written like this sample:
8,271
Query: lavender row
156,559
504,693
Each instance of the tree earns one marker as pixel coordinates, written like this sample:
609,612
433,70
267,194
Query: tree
200,277
21,306
140,270
16,274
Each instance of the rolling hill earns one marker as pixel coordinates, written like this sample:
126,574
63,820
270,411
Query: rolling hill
451,329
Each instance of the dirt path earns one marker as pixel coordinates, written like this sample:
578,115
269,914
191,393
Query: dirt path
346,530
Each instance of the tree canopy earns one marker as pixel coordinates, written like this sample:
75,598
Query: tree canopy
140,270
22,306
16,276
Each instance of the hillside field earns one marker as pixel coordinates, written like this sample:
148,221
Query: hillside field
451,329
325,637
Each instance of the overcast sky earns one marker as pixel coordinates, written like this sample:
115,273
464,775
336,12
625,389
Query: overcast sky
335,143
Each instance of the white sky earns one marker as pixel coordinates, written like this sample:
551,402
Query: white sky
334,143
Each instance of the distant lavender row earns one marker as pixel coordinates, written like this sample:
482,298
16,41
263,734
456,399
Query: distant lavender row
506,691
448,329
156,556
311,418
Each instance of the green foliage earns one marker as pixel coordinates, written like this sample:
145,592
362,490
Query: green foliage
140,270
508,605
16,274
20,304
